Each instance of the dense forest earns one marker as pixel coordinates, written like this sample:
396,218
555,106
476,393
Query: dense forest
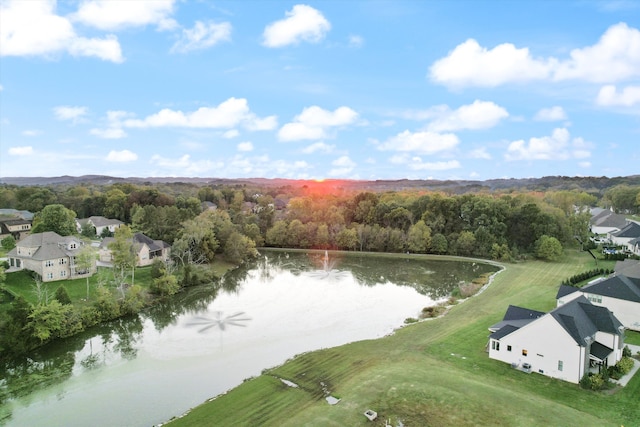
500,223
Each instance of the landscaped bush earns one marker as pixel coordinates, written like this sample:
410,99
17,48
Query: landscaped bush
592,382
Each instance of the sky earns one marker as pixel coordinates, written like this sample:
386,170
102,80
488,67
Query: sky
347,89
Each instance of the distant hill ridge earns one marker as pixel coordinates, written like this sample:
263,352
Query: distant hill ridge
587,183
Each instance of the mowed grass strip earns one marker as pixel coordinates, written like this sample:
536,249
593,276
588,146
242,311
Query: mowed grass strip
433,373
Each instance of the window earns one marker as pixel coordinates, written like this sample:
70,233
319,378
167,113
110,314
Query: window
524,352
508,348
62,261
72,246
63,273
495,345
48,263
560,365
594,298
49,275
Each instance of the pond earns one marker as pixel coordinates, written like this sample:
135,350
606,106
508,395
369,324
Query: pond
144,370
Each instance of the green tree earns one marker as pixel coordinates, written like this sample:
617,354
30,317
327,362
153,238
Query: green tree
466,243
548,248
55,218
88,231
47,320
134,300
439,244
62,296
165,285
197,242
419,237
239,247
123,256
85,261
277,235
8,243
347,238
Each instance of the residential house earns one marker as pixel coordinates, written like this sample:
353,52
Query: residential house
606,222
562,344
619,294
627,237
15,213
146,249
51,256
16,227
100,223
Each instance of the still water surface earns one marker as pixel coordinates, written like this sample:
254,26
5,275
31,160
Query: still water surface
145,370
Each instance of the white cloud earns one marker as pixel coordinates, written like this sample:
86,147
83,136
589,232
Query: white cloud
228,114
609,96
202,36
255,123
319,147
21,151
245,146
469,64
616,56
108,133
303,23
552,114
121,156
420,142
230,134
480,153
31,132
479,115
114,15
558,146
416,163
65,112
314,122
1,88
434,166
356,41
31,28
184,166
343,166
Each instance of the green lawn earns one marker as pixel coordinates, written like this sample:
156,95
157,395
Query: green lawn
433,373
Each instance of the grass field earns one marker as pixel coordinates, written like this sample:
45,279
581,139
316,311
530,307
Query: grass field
432,373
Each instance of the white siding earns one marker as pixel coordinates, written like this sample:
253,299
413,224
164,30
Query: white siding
545,343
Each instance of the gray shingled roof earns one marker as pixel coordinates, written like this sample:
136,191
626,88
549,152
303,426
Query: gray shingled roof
618,286
631,230
48,244
608,219
566,290
628,267
582,320
600,351
516,317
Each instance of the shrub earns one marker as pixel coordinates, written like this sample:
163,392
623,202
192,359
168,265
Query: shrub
626,351
592,382
625,365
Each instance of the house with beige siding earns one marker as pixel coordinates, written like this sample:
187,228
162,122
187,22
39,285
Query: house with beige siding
16,227
100,224
147,250
51,256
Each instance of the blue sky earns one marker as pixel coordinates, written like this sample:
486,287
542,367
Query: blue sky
325,89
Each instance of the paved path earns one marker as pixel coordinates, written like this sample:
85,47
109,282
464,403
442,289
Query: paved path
636,365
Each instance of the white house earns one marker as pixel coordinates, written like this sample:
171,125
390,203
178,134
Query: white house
561,344
627,236
619,294
50,255
100,223
605,222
